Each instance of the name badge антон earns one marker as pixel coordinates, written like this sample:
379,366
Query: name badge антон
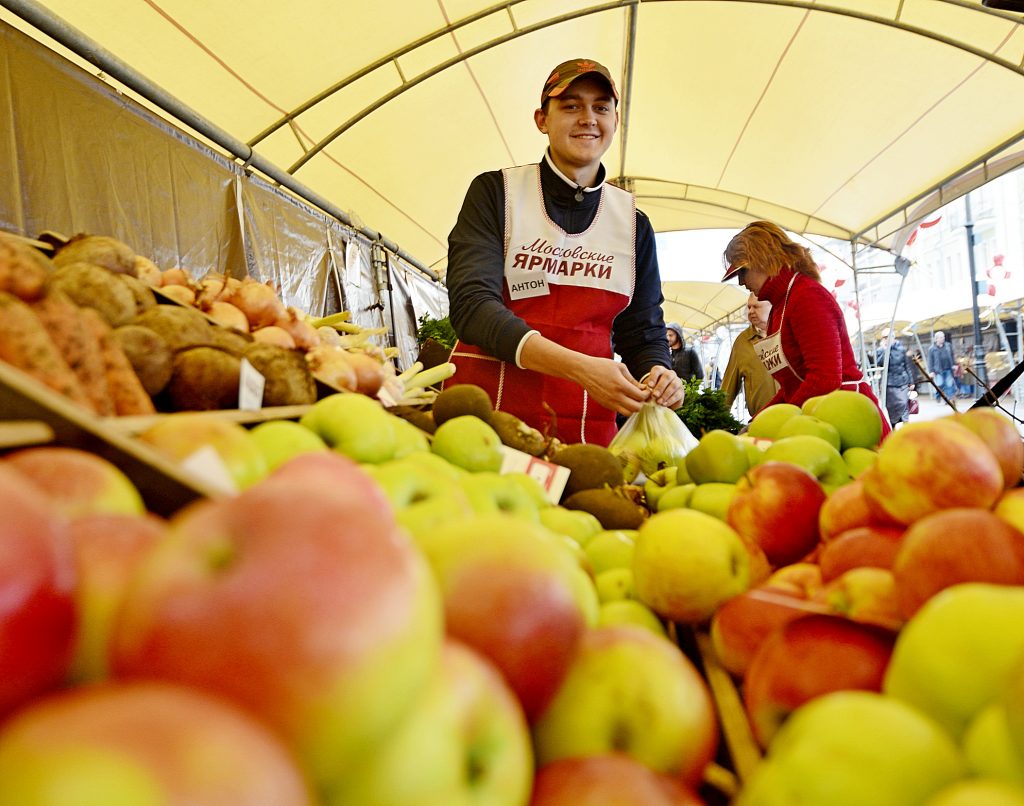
525,284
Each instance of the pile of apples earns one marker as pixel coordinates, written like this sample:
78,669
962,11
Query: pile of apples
867,599
370,618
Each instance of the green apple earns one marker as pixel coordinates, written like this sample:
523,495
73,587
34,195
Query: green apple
854,748
858,460
422,500
756,446
578,524
354,425
682,474
615,584
810,404
491,492
408,438
464,741
989,747
470,443
769,420
658,483
434,464
719,456
713,498
958,652
809,424
630,612
857,419
280,440
611,548
687,563
679,496
631,692
978,792
814,454
531,487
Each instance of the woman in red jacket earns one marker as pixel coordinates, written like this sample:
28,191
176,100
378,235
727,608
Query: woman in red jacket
807,349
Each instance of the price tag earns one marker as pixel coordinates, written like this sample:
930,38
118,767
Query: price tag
250,387
207,465
551,477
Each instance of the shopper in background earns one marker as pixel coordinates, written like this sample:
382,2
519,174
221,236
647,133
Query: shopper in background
940,365
685,360
899,378
962,377
744,369
550,270
807,348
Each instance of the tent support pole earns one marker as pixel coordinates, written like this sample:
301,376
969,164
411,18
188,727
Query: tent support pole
88,49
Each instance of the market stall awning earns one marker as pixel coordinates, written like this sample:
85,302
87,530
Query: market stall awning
848,118
703,306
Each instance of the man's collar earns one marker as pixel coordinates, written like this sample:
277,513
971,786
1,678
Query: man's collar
567,180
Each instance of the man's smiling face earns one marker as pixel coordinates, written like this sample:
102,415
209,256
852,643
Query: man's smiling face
580,124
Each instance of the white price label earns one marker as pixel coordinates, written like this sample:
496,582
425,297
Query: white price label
207,465
250,387
550,476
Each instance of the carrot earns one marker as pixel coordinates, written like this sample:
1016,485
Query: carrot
78,344
25,344
126,389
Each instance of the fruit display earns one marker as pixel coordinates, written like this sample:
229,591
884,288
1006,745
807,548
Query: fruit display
368,605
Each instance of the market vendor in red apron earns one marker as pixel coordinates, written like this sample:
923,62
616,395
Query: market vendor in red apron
552,272
807,348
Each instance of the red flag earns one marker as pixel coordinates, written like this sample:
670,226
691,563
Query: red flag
932,223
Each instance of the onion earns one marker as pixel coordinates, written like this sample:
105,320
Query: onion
274,335
176,277
227,315
259,302
212,288
331,365
179,293
369,373
305,335
147,271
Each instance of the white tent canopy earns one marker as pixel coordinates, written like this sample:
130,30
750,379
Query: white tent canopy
849,118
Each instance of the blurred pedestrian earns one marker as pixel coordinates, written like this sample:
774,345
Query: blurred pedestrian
899,378
744,369
940,365
685,360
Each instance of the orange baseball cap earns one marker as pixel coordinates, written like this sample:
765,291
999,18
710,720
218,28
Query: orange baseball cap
567,72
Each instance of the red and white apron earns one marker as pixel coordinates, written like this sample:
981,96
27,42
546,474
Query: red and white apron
569,288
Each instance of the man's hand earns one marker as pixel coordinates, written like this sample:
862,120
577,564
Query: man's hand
666,387
609,383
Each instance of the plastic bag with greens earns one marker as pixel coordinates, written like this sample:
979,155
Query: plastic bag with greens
651,439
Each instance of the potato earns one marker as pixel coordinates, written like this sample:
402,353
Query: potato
149,354
91,286
288,379
204,378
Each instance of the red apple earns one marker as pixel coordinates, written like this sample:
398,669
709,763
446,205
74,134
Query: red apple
632,692
1000,435
776,504
928,466
864,594
807,658
508,593
874,546
801,579
953,546
109,549
612,779
77,482
740,625
846,508
141,744
313,611
37,579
